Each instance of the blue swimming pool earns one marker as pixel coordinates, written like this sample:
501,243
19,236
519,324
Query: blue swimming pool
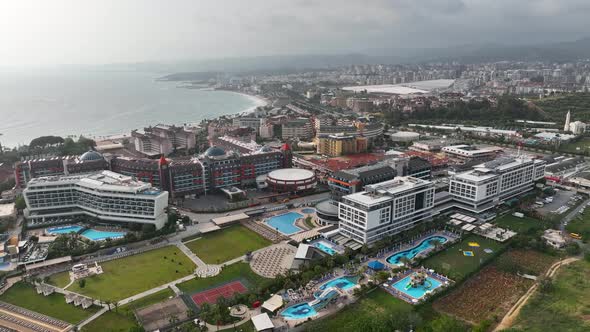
285,222
299,311
343,283
95,235
325,247
64,230
413,252
308,210
419,291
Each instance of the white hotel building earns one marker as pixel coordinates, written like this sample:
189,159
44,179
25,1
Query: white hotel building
489,184
385,208
108,196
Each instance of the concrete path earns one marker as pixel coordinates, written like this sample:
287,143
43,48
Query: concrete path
93,317
190,254
511,315
155,290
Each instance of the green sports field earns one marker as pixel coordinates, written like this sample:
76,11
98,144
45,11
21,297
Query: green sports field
132,275
229,273
226,244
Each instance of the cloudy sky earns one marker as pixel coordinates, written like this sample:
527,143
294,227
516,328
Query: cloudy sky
39,32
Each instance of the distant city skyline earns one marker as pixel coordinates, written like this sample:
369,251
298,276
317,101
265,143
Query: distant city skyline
35,33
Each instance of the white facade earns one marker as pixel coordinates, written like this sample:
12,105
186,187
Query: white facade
385,208
489,184
577,127
105,195
466,152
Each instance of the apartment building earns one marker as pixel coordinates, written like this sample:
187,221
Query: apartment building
385,209
300,128
105,195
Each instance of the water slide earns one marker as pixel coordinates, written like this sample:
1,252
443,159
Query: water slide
325,297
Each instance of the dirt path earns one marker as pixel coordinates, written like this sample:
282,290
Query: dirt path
511,315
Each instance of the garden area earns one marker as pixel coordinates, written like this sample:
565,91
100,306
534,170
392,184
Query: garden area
132,275
525,225
452,261
562,306
226,244
24,295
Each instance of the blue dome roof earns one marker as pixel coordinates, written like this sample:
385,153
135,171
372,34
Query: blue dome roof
214,151
91,155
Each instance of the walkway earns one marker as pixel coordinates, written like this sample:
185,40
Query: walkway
190,254
93,317
154,290
510,317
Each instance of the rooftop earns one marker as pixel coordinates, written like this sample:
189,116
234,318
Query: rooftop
101,181
383,191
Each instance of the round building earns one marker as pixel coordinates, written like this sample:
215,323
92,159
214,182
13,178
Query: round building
327,213
404,136
291,180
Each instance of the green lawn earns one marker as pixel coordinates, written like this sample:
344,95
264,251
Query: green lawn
565,308
24,295
112,322
131,275
246,327
148,300
226,244
231,272
60,279
454,264
580,225
520,225
369,308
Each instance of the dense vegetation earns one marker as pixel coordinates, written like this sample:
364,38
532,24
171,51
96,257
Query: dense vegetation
556,107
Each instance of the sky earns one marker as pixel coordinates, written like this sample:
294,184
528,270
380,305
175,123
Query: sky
51,32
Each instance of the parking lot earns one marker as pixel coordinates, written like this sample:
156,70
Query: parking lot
563,200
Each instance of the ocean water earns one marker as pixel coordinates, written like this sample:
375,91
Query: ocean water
99,103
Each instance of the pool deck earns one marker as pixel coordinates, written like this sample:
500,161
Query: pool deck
382,256
444,282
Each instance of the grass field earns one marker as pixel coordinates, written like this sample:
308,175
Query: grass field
229,273
527,261
246,327
111,322
60,279
580,146
520,225
370,307
224,245
566,308
147,301
131,275
54,305
580,225
454,264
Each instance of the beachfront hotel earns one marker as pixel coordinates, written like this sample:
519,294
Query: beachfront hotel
107,196
489,184
385,208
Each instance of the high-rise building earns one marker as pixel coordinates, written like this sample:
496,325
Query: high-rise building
566,127
385,209
110,197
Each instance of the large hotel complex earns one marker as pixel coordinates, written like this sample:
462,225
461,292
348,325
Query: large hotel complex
107,196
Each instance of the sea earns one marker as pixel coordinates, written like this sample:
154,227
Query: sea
99,103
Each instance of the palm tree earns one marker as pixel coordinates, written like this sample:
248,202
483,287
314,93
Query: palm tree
405,261
437,244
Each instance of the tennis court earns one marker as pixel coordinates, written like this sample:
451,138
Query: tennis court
211,295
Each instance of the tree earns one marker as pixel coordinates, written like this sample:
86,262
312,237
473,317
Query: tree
573,249
82,283
20,203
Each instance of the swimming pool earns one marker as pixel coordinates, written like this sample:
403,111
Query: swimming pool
308,210
285,222
299,311
413,252
95,235
419,291
64,229
343,283
325,247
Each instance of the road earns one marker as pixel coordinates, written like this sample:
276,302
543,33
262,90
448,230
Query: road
572,214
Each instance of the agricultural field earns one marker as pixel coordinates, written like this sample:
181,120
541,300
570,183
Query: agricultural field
132,275
229,273
520,225
453,263
24,295
526,261
565,307
488,295
226,244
